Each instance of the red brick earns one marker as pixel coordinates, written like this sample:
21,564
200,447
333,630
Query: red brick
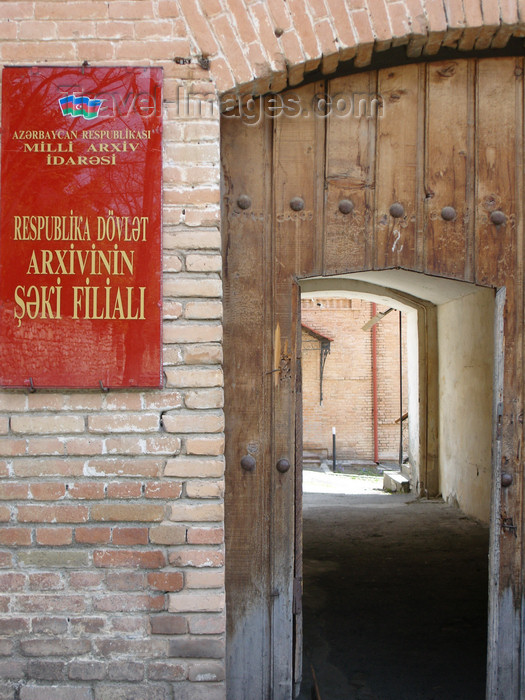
247,31
87,625
163,489
117,466
12,582
168,624
31,424
5,559
47,491
197,557
124,423
107,558
126,581
45,582
37,30
93,535
55,513
115,30
13,625
94,50
86,9
123,401
127,512
5,514
13,491
205,535
17,10
130,625
51,603
130,535
86,579
83,446
127,602
130,9
76,29
54,535
199,27
12,447
232,48
125,489
49,625
168,8
87,491
130,445
172,581
19,536
168,534
39,467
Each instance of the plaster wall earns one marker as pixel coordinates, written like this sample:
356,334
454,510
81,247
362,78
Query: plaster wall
466,354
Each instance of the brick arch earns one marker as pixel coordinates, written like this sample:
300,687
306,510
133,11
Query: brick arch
272,44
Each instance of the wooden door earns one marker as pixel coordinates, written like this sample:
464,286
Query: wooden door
418,167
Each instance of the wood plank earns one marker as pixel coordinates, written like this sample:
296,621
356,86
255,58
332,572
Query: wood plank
350,171
348,236
292,255
448,169
495,534
246,169
495,166
499,262
398,166
298,543
298,154
354,106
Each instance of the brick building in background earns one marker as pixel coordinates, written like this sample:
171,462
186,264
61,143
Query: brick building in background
348,384
112,558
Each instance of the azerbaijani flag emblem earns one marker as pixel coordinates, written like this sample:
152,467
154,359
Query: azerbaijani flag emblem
82,106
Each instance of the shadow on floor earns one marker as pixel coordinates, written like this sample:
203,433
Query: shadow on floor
395,598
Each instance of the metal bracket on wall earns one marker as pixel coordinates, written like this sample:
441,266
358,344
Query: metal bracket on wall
507,525
324,352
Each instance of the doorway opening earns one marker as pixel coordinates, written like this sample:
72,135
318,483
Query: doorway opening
396,585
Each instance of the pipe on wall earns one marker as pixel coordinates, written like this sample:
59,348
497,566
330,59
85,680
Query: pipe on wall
374,384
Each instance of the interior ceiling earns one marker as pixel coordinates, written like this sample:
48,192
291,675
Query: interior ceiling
436,290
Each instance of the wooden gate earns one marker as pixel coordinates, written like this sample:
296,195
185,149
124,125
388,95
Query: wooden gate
417,167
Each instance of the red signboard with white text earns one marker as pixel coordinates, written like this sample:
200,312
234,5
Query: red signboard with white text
80,236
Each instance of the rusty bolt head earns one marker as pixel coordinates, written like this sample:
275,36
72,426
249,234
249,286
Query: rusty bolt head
346,206
297,203
244,202
248,463
498,217
397,210
283,465
506,479
448,213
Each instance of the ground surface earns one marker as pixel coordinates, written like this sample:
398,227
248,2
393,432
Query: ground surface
395,595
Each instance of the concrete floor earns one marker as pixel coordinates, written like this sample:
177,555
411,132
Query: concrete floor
395,595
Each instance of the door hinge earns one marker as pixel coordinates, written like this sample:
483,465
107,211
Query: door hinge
297,596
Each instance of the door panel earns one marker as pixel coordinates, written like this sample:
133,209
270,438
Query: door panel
248,445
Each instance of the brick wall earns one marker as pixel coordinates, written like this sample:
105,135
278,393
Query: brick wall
111,504
347,379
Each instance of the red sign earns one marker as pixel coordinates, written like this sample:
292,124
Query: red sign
80,237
